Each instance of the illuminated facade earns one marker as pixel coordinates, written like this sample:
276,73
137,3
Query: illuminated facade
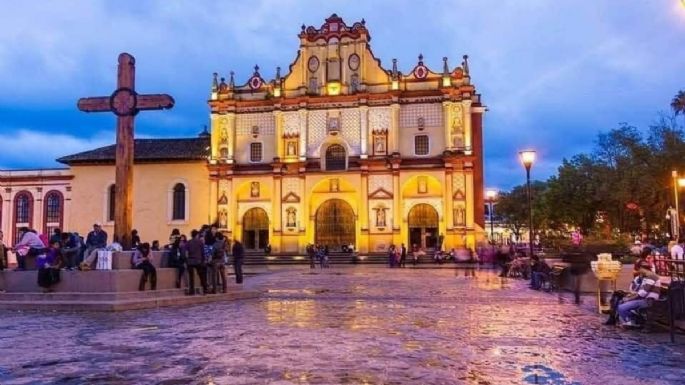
340,150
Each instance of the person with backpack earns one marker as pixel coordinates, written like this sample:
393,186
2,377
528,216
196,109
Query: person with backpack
177,258
217,269
142,260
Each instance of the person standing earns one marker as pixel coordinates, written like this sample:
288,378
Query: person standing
403,256
391,256
195,254
49,265
238,256
4,264
312,256
142,260
177,258
217,269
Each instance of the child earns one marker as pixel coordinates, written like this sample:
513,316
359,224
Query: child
49,265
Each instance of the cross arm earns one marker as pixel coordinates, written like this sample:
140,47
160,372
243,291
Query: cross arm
97,104
154,102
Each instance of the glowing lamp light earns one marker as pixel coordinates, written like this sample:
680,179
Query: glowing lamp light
333,88
527,158
277,92
491,194
681,181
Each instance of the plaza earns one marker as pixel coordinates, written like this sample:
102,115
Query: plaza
344,325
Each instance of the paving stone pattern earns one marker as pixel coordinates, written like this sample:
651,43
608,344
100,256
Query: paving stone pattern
355,325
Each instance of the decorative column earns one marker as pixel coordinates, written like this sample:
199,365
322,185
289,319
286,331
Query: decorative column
212,215
66,210
449,199
38,220
470,198
303,135
303,220
7,214
363,245
364,125
232,135
468,143
394,133
278,120
396,214
446,124
232,216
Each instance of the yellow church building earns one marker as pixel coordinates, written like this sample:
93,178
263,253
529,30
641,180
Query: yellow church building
337,150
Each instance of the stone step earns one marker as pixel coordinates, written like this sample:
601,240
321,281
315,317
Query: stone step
90,297
122,305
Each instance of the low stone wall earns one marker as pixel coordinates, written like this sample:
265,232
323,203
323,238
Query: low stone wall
588,281
95,281
122,259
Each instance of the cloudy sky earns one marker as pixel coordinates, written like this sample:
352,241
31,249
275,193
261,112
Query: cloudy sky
553,72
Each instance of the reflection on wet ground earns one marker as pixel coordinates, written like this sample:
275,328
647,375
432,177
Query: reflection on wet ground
342,326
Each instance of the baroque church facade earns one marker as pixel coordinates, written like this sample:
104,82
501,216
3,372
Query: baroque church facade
337,150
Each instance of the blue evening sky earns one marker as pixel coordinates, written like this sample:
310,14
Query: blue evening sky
553,73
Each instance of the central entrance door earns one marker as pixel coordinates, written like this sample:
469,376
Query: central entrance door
335,224
423,226
255,229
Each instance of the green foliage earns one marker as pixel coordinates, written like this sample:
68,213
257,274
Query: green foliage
623,186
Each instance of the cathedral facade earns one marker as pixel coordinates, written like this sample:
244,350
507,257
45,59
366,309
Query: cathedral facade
342,151
336,150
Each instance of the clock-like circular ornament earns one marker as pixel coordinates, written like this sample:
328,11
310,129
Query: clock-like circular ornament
421,71
313,64
353,62
123,102
255,82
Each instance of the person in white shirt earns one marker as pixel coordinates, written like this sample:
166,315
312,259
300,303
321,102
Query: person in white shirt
677,251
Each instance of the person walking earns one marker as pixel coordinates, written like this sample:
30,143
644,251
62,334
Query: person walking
195,261
142,260
312,256
238,255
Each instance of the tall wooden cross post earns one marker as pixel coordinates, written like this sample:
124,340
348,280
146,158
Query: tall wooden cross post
125,103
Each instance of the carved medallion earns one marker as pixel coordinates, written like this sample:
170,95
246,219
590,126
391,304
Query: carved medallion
353,62
123,102
255,82
421,72
313,64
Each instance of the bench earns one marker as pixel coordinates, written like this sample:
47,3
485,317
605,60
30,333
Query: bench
553,280
669,307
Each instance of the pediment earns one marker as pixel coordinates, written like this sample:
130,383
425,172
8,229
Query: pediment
381,193
459,196
291,197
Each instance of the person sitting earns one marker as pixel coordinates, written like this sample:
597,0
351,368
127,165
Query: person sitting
95,241
29,245
142,260
617,297
56,236
539,273
177,257
70,250
648,291
135,239
49,265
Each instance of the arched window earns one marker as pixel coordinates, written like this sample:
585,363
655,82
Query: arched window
53,211
111,194
23,211
178,212
336,158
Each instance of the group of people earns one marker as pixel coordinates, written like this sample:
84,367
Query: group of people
318,253
205,254
397,256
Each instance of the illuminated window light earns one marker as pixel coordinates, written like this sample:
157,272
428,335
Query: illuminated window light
446,81
395,85
277,92
333,88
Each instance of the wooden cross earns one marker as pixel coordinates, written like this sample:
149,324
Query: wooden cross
125,103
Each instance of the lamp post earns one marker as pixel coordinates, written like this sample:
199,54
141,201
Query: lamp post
491,196
678,183
527,158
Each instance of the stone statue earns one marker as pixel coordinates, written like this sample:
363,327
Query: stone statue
291,149
223,219
380,145
459,219
254,190
380,217
290,221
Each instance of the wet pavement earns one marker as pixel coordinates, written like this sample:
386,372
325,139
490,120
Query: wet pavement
353,325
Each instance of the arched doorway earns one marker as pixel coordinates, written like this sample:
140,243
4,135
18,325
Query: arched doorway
423,226
255,229
336,158
335,224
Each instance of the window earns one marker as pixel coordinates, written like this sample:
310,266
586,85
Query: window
179,203
53,211
111,194
421,145
23,210
335,158
255,152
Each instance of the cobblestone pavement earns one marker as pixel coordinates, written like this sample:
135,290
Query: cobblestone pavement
355,325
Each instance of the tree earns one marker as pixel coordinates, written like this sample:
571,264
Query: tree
512,207
678,103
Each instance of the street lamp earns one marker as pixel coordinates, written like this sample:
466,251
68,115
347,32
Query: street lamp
491,196
527,158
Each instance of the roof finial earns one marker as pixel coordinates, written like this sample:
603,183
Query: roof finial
256,69
231,82
466,65
303,27
420,59
278,74
445,67
215,82
205,132
363,21
394,68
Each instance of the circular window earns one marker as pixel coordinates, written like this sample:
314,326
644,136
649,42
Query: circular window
353,62
313,64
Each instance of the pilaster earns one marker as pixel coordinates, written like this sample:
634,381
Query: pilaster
364,125
468,141
278,120
470,199
446,124
394,133
213,199
303,134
